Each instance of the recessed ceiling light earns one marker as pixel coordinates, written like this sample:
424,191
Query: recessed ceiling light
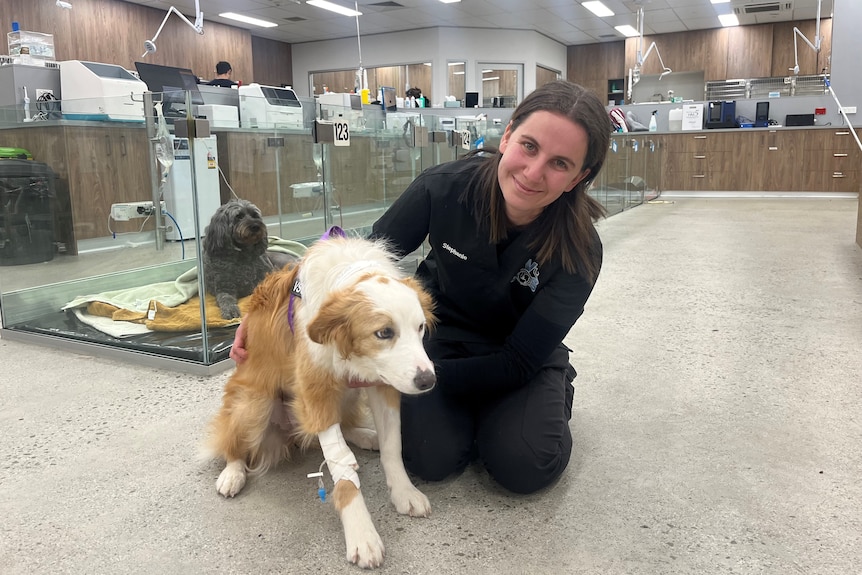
598,8
627,31
332,7
449,1
248,20
728,20
720,1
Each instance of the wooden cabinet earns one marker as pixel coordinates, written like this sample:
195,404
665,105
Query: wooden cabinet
106,165
699,161
831,158
774,160
96,166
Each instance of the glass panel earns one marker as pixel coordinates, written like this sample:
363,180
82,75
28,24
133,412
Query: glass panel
501,85
457,83
402,77
84,254
545,75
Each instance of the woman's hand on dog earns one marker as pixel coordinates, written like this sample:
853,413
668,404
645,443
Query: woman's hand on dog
238,352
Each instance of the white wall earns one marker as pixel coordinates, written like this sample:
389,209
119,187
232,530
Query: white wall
437,45
846,47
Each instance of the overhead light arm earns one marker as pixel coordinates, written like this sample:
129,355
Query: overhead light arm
635,73
198,26
815,46
361,81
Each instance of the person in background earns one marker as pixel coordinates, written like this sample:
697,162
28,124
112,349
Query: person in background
223,73
514,255
416,94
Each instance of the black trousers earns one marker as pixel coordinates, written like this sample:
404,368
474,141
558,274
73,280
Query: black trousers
522,436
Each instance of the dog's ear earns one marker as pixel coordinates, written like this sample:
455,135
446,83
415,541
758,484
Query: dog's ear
218,232
334,322
425,300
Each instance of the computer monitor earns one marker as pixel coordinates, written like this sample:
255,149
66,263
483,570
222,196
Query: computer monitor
171,82
387,99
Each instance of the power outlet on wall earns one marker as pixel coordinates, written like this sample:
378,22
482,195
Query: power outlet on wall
40,92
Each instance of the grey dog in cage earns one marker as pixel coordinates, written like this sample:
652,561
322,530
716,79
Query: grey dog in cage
234,254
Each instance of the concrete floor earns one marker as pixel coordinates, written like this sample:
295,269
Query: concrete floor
716,421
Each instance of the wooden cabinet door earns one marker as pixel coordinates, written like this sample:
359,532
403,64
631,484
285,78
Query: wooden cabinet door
132,155
93,181
252,173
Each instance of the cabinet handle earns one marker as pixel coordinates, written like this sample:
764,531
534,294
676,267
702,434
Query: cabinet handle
700,137
699,176
837,175
699,157
842,133
773,148
123,145
107,145
839,155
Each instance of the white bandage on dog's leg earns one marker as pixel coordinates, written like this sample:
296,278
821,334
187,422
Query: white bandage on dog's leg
340,460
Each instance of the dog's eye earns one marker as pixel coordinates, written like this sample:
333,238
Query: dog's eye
422,329
385,333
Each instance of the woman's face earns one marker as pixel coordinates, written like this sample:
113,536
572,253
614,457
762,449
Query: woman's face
542,160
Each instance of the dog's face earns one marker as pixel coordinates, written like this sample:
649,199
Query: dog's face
376,326
237,223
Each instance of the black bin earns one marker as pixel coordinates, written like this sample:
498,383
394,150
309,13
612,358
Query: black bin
26,212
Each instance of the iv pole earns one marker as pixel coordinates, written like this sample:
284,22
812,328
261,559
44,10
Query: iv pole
150,45
635,73
816,47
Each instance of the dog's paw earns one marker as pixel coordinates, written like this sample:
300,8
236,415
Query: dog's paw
230,311
228,306
362,437
365,549
232,479
410,501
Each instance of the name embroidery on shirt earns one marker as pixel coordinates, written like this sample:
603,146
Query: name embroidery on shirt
454,252
528,276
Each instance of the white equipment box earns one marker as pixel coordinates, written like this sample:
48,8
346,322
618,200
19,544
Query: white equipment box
179,201
269,107
220,116
95,91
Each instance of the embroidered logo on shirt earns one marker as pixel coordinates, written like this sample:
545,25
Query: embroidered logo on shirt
454,252
528,276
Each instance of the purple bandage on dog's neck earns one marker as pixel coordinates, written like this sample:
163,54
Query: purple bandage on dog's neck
296,290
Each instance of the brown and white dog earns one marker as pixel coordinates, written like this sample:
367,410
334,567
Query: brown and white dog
358,323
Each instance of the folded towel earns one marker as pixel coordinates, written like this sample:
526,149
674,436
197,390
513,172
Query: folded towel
184,317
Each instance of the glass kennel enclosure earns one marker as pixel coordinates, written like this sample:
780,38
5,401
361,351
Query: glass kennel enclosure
102,215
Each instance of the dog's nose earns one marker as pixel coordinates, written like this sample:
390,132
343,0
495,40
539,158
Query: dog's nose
424,380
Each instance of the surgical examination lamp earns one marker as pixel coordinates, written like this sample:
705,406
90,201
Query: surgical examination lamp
150,45
635,73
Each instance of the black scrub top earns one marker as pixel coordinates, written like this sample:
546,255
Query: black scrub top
486,293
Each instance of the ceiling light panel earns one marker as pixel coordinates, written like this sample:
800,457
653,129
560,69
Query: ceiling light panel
728,20
248,20
627,30
333,7
598,9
